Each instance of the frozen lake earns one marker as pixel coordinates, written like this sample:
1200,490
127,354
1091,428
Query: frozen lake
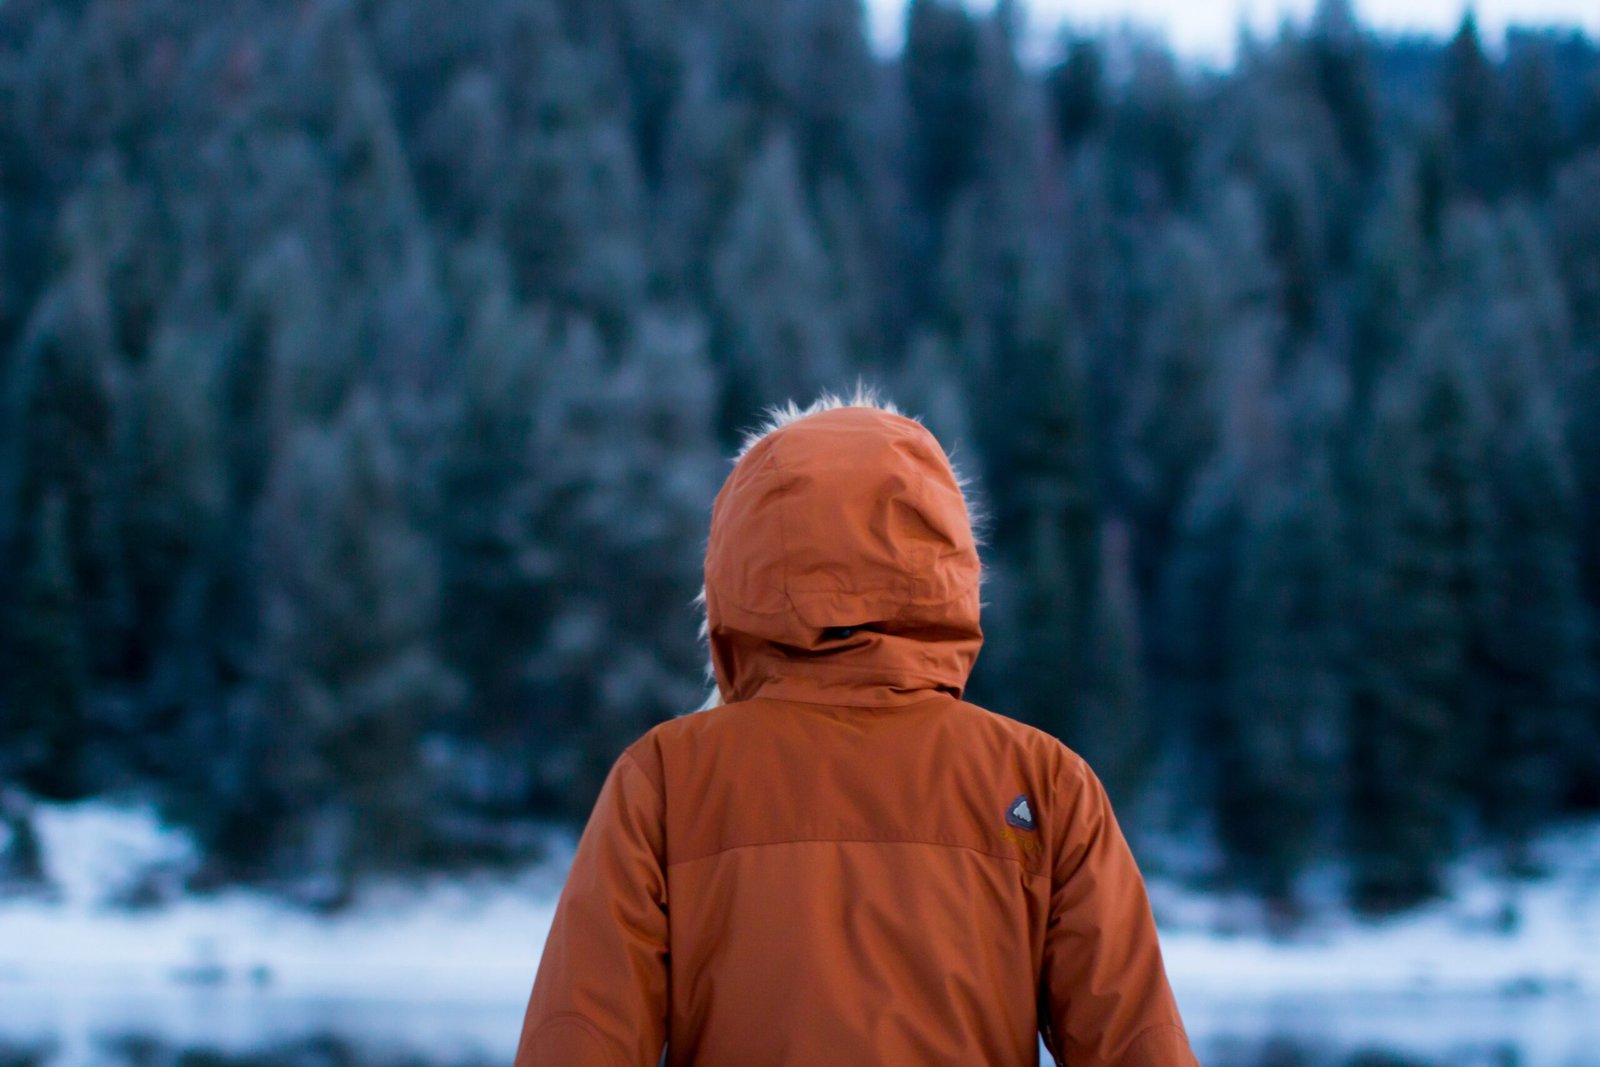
218,1028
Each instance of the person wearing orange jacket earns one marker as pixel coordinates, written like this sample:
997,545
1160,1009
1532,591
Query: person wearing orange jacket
841,863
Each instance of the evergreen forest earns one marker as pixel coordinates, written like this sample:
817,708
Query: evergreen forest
367,369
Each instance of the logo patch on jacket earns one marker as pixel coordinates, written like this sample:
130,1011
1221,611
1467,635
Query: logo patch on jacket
1020,814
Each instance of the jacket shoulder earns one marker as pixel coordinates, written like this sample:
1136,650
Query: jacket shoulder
648,750
1029,741
993,726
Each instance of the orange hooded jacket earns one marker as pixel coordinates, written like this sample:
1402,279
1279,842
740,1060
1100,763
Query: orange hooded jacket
845,864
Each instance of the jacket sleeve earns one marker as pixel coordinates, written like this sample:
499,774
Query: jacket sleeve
1104,996
600,996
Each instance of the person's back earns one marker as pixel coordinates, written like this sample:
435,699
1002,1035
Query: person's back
845,863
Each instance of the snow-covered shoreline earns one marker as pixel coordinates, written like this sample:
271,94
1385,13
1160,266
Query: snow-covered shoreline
454,958
467,938
1489,937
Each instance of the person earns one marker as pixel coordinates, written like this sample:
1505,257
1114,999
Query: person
842,862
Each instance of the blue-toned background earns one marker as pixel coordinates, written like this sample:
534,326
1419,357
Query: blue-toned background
367,368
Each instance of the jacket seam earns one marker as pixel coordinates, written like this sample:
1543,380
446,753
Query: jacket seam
783,529
861,841
581,1021
868,590
1078,818
854,704
869,668
660,792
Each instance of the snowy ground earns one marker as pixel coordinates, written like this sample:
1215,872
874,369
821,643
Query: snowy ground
1491,937
446,966
449,939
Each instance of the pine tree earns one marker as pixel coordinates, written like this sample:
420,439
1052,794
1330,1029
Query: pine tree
1472,112
459,153
1284,709
1414,715
1538,638
1171,422
380,216
778,330
172,521
573,211
1036,444
869,306
650,43
1188,649
1153,133
487,470
1576,228
66,384
1392,282
704,166
1533,121
574,482
1586,128
1508,326
348,686
1116,730
1077,92
1342,69
1051,604
47,728
834,77
942,67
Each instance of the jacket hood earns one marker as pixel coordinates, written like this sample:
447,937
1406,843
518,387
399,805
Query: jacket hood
842,566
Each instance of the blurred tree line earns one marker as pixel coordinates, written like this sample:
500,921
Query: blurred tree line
366,368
